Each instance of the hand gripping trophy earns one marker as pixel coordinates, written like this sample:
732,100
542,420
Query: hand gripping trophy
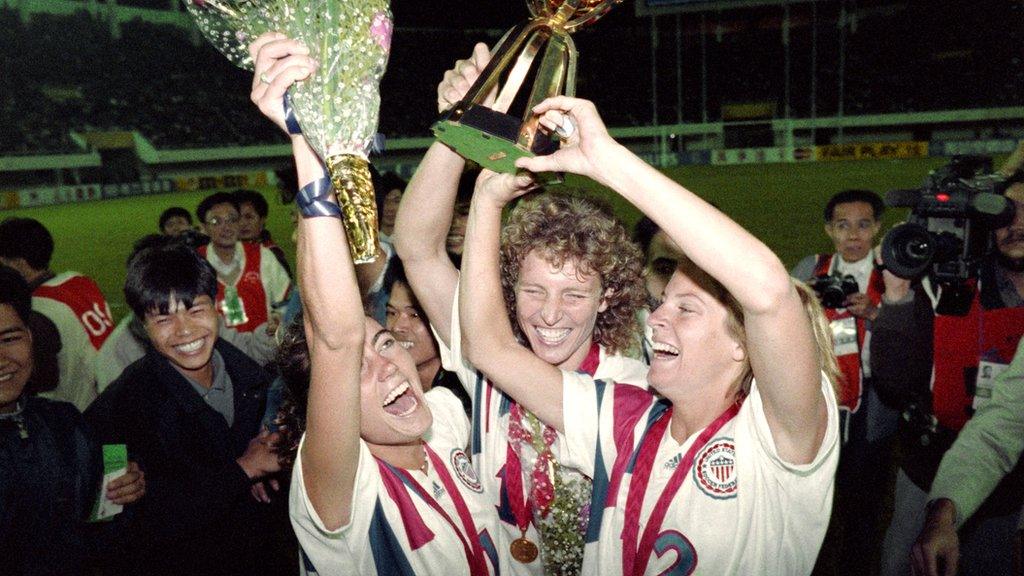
490,136
336,109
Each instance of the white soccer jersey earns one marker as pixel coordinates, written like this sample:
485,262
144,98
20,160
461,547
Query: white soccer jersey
489,444
391,529
740,508
79,311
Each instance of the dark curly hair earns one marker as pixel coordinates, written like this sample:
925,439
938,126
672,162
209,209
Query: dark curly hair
293,364
564,227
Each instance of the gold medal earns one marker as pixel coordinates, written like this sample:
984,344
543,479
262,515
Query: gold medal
523,550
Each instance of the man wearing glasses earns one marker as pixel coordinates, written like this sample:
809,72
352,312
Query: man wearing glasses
852,222
250,280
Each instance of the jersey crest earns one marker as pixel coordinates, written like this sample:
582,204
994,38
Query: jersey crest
714,469
464,470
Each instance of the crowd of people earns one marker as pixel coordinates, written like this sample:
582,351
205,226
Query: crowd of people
516,384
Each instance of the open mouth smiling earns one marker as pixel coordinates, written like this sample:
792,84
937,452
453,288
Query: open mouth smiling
190,347
552,336
400,401
663,350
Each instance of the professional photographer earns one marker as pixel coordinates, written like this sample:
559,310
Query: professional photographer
939,342
850,290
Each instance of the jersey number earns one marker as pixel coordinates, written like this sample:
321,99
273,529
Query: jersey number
686,555
96,321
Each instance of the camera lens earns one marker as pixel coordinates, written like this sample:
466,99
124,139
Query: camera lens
919,248
907,250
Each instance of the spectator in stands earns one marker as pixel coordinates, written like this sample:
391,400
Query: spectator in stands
852,222
252,212
174,221
929,364
189,412
72,302
986,450
129,341
408,322
388,190
250,280
50,469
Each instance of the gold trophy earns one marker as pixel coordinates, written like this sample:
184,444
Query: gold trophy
490,136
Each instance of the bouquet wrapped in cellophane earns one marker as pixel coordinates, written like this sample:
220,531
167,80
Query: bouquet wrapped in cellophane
337,107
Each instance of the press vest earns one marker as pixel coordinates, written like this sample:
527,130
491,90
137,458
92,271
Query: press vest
250,310
849,357
960,345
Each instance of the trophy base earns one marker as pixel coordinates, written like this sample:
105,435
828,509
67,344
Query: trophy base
490,139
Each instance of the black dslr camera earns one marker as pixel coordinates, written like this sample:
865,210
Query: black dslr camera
951,216
833,290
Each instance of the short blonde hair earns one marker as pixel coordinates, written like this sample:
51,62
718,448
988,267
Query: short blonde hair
734,322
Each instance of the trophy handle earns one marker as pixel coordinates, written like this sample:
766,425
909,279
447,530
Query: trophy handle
507,48
556,75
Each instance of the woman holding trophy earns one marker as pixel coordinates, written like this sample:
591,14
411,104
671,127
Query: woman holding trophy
369,493
730,469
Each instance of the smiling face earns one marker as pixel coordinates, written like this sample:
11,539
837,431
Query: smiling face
221,225
392,407
406,323
185,336
1010,239
250,224
693,345
853,229
556,309
15,357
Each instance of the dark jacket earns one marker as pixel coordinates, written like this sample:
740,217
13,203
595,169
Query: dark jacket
49,479
198,516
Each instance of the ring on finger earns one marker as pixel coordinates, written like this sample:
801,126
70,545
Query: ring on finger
264,79
566,128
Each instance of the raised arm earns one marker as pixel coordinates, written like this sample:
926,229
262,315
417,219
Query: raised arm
334,320
780,340
488,341
425,212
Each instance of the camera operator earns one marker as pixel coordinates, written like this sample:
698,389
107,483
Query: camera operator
850,290
939,368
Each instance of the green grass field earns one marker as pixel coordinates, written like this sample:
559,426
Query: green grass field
780,203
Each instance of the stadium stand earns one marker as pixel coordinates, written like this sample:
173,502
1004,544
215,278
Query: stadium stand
70,74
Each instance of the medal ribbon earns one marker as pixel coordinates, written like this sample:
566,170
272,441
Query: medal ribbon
518,500
474,551
636,555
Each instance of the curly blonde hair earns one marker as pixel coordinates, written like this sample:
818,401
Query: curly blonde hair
562,227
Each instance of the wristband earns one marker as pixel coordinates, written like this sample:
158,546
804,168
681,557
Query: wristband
290,122
312,200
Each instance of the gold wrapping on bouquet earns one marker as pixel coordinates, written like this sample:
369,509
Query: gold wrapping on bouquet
350,176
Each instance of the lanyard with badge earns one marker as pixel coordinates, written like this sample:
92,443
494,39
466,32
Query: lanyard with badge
233,307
